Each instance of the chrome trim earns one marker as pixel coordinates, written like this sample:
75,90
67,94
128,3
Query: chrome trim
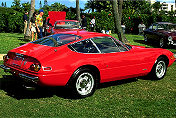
6,69
95,45
47,67
18,54
33,79
170,39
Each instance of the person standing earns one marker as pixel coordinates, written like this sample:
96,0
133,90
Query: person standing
39,23
92,24
84,22
25,19
33,26
141,28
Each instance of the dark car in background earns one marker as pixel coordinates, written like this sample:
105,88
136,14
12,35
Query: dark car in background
161,33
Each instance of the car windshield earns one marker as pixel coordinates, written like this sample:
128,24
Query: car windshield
57,40
66,25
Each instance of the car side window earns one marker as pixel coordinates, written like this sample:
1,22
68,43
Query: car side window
106,44
160,27
85,46
151,27
120,46
154,27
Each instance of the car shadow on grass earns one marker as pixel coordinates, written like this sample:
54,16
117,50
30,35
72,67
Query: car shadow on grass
118,82
14,88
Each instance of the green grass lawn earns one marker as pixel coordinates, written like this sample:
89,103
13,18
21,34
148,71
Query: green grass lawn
132,98
9,41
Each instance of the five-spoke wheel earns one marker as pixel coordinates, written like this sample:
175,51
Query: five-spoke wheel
84,82
159,69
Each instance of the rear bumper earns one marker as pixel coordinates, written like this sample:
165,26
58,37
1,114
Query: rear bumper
29,78
173,42
42,79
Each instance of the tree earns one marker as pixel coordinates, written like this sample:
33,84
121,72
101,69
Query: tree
16,5
78,11
91,5
117,20
2,4
45,3
137,6
156,6
40,4
5,5
28,33
58,7
26,6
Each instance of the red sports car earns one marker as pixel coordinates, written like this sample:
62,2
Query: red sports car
81,60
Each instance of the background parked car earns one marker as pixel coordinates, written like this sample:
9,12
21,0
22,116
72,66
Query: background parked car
53,16
161,33
66,25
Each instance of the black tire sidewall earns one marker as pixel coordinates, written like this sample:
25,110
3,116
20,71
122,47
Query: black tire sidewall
74,78
153,71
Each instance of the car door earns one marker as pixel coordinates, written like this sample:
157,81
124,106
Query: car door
149,32
156,32
119,62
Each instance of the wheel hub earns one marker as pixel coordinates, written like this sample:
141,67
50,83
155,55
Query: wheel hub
85,83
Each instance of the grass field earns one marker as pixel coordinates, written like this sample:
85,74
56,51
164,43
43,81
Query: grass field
131,98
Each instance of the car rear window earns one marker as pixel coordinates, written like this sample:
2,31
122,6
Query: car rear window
57,40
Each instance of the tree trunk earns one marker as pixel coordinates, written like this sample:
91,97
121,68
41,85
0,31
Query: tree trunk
78,11
117,20
28,32
120,9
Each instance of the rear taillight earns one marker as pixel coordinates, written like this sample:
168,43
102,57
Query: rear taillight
173,57
11,55
35,67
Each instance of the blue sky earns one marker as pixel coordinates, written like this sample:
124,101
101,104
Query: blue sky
68,3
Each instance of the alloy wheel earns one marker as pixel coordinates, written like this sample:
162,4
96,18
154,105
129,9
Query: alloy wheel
85,83
160,69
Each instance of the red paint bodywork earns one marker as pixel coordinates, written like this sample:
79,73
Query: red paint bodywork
112,66
56,15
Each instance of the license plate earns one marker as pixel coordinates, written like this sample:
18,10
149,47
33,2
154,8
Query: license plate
18,61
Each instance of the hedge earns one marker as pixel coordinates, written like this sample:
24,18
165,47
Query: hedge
12,21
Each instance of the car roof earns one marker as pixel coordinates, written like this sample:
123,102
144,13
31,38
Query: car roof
164,23
67,20
85,34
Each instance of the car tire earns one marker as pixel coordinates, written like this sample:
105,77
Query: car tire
159,69
84,83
